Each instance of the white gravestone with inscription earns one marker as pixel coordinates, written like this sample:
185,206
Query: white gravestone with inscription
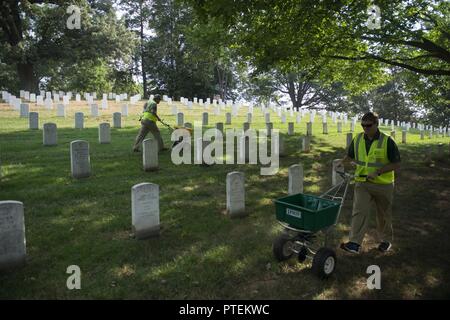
12,235
125,110
94,110
79,120
117,120
235,194
145,210
180,119
104,133
33,120
295,179
150,154
49,133
205,118
80,162
24,110
60,110
228,118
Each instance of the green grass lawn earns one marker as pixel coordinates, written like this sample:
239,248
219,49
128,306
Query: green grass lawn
202,253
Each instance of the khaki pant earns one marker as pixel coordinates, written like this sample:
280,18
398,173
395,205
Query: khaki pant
146,127
366,194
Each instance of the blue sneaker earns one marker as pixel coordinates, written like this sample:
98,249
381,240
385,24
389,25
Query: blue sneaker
350,247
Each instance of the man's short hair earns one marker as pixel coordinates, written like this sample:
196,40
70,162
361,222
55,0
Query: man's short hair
157,97
370,116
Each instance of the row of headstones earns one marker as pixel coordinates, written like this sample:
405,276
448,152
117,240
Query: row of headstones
408,125
48,101
61,109
80,164
33,121
56,95
50,135
334,115
145,213
269,126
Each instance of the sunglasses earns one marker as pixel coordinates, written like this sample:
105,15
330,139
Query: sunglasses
366,125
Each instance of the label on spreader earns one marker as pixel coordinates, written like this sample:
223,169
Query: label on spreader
294,213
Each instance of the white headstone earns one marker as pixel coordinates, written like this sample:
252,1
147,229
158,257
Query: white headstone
306,143
32,97
235,193
34,120
24,110
290,128
104,133
79,120
145,210
48,103
12,235
295,179
77,98
117,120
80,163
61,110
228,118
125,110
335,177
180,119
94,110
249,117
309,129
150,154
50,137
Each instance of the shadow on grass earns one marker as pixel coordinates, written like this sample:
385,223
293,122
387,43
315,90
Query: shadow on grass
202,253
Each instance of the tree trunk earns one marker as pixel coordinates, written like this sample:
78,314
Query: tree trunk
27,78
293,95
144,74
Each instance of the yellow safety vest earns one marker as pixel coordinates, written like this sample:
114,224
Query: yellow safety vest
377,158
148,115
